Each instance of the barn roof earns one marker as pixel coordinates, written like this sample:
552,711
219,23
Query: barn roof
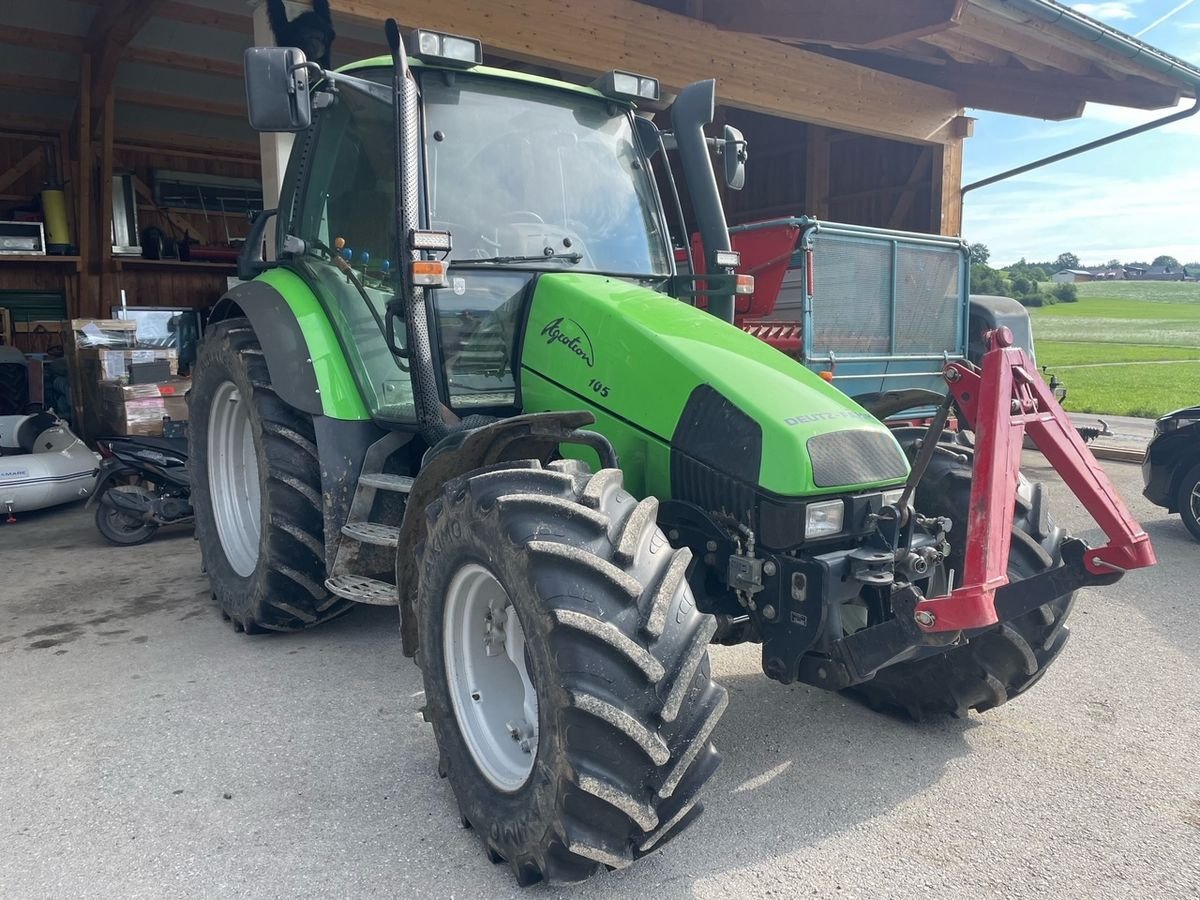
1026,57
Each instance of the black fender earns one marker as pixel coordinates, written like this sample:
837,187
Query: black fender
109,471
534,436
282,341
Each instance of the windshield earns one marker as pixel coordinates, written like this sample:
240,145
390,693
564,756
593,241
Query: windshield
550,177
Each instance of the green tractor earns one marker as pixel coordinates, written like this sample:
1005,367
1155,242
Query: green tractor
474,385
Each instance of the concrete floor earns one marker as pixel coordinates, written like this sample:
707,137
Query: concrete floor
146,750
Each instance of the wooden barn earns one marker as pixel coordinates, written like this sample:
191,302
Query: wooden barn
131,113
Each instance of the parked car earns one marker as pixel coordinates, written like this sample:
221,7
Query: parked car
1171,469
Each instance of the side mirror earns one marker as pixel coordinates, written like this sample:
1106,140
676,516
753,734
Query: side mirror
736,151
277,89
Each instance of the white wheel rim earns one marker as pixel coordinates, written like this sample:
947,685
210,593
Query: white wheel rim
233,479
1196,501
494,701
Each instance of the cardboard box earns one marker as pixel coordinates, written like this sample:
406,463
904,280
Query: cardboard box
111,333
141,408
105,364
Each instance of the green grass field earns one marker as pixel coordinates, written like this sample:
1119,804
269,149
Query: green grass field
1126,348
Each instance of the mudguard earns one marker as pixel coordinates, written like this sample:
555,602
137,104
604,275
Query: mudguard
308,368
535,436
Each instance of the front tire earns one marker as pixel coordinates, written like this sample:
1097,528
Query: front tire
1000,662
603,714
1187,500
256,490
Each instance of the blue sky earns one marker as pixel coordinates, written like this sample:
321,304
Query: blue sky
1132,200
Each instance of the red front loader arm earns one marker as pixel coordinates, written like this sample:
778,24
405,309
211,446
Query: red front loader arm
1001,402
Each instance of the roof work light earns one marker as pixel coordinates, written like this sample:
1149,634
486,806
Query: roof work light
627,86
445,49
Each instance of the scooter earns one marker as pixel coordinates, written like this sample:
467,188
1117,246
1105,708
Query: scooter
143,484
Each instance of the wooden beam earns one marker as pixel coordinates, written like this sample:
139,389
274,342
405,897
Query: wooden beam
83,197
844,23
24,165
996,31
135,96
114,26
916,178
44,125
41,40
237,23
172,59
816,169
143,190
195,146
593,36
28,82
105,219
963,48
157,100
1047,95
985,86
1041,41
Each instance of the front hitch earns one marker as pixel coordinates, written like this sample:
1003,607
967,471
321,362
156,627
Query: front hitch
1002,402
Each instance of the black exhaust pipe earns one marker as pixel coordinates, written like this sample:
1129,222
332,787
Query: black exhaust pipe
410,298
692,110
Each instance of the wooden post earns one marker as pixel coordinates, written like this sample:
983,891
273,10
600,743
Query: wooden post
106,202
816,181
83,199
947,188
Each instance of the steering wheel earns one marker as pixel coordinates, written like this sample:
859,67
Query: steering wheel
518,215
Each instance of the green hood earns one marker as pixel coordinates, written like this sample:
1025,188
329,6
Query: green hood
641,360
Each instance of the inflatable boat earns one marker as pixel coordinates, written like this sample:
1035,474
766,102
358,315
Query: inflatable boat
42,463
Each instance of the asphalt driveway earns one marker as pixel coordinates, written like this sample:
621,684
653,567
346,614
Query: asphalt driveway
146,750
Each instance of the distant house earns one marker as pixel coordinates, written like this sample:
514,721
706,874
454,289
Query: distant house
1107,273
1072,276
1157,273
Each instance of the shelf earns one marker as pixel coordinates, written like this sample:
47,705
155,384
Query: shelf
35,259
122,262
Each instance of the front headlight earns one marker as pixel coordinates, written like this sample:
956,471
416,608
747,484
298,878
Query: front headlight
1175,424
824,519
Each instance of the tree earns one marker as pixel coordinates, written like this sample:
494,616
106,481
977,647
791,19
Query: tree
1065,293
1165,260
1066,261
979,253
1113,264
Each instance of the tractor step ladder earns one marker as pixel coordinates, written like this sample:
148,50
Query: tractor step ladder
366,548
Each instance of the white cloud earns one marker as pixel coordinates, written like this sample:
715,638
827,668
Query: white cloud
1130,214
1123,117
1107,11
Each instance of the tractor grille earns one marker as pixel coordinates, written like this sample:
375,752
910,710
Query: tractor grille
843,458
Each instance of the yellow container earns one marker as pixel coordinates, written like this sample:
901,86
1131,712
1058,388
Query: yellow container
54,211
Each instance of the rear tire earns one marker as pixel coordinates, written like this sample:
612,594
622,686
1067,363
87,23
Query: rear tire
119,528
616,654
1187,500
998,663
257,499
